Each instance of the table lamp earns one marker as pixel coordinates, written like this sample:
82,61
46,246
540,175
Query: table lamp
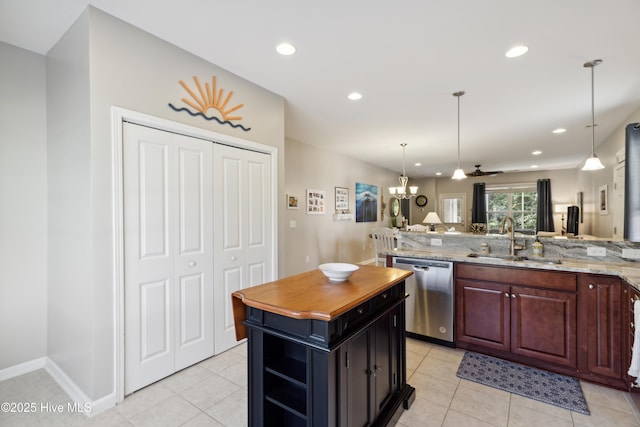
432,218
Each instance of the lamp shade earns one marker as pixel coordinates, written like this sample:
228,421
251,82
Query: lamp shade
593,163
432,218
458,174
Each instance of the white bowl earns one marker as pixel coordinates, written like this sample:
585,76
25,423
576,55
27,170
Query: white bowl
338,271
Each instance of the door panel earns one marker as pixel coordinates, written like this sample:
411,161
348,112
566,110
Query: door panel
155,319
482,314
536,312
242,181
168,262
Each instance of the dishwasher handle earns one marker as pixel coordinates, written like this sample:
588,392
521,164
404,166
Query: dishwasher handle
421,268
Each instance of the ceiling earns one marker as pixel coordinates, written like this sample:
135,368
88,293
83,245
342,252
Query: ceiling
406,58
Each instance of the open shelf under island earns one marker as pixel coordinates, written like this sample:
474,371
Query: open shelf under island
326,353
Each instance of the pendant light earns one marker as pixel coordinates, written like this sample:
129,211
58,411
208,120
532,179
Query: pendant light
401,192
458,173
593,163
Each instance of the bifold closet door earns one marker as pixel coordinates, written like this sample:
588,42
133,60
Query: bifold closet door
243,231
168,238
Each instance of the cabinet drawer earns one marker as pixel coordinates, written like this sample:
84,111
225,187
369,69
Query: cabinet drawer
519,276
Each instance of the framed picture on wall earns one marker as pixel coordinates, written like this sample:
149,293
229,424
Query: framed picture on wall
342,200
316,200
603,201
292,201
366,202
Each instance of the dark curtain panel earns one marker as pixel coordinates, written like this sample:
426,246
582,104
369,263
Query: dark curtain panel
544,220
573,219
479,208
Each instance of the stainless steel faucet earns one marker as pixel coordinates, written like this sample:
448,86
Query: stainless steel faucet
512,238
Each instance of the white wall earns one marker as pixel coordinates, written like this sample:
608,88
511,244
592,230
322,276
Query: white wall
318,236
99,63
23,206
70,288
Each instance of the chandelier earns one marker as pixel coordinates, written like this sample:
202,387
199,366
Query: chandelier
401,192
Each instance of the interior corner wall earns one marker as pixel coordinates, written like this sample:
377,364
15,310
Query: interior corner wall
70,235
317,239
23,210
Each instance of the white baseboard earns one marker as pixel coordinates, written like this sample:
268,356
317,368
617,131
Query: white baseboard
22,368
76,394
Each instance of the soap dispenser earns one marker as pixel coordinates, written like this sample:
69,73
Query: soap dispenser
537,248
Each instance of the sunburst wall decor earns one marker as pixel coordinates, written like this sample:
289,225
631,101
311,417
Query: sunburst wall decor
207,98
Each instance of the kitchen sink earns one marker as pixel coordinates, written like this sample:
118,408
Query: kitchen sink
515,258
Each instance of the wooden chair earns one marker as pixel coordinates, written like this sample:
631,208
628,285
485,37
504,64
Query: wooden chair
384,240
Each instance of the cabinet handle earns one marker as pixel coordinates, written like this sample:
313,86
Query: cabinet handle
192,264
384,296
360,311
513,295
506,294
591,286
632,325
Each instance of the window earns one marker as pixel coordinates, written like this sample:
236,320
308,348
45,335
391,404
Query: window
518,201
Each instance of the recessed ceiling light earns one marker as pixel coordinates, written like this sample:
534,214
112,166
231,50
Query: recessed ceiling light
354,96
438,173
285,49
516,51
536,153
417,164
534,166
559,130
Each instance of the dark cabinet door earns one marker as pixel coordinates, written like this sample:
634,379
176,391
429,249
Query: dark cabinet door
384,369
482,314
601,310
372,369
544,325
358,398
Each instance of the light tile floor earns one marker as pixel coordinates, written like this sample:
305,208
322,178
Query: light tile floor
214,393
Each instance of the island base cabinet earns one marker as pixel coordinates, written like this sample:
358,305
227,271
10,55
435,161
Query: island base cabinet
357,380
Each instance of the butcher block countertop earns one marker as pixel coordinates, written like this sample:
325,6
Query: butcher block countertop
311,295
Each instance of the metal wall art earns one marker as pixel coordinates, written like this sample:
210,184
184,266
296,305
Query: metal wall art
210,103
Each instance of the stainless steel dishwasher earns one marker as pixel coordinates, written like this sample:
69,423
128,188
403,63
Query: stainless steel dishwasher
431,299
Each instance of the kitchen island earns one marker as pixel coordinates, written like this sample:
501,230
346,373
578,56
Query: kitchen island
326,353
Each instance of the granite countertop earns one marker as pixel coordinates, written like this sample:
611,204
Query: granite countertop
628,271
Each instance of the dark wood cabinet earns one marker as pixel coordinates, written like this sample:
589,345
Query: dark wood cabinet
630,296
483,314
529,315
349,371
572,323
601,320
372,367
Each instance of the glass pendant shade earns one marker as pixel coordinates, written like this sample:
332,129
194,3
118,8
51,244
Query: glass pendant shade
593,163
458,174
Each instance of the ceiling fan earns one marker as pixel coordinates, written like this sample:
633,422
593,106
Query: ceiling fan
479,172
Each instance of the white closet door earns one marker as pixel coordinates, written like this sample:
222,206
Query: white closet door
168,217
243,231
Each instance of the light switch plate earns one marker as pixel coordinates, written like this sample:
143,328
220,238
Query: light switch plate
596,251
436,242
631,253
292,223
